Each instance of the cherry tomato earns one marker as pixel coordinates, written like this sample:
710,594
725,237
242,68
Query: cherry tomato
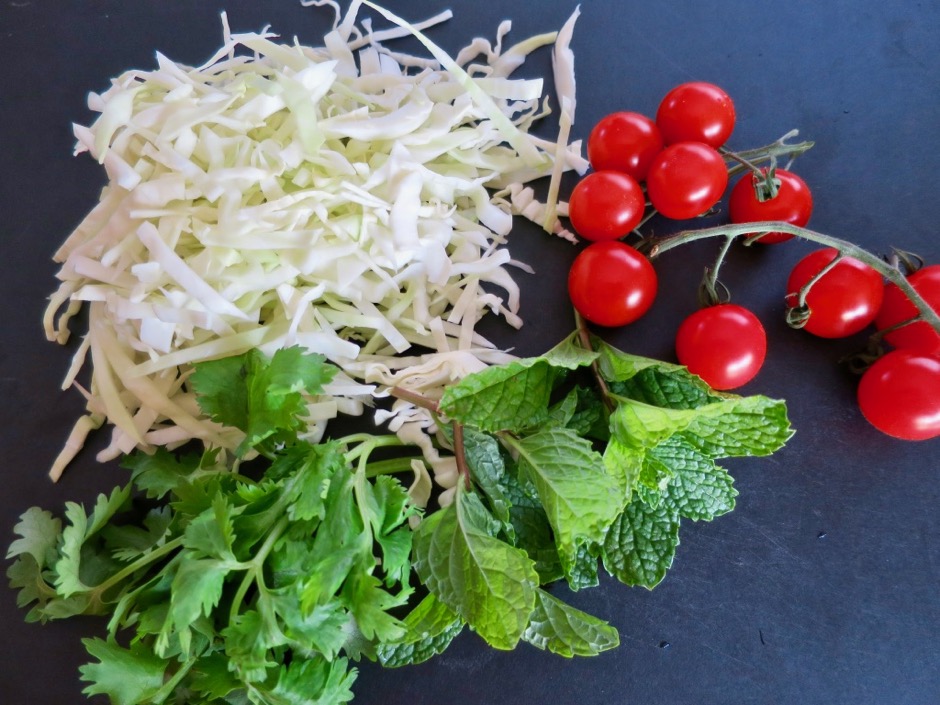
897,308
611,284
696,112
900,395
626,142
606,205
686,179
725,345
792,204
844,301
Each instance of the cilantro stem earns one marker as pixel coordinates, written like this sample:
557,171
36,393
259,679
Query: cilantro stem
389,466
753,231
256,565
141,562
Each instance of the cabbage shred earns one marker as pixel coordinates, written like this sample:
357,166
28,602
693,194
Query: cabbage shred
346,198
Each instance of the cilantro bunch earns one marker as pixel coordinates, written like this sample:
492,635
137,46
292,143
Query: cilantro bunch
239,586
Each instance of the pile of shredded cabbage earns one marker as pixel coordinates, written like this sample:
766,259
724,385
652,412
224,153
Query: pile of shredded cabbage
346,198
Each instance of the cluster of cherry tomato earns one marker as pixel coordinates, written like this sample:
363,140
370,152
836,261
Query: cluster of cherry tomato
676,165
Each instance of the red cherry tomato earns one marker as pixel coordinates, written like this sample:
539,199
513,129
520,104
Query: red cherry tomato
611,284
606,205
844,301
897,308
626,142
900,395
725,345
696,112
686,179
792,204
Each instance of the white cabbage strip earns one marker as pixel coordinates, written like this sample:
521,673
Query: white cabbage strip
345,198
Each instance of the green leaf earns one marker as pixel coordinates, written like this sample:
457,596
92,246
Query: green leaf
487,582
583,572
651,381
429,629
640,546
127,676
323,629
81,527
212,534
581,500
160,472
742,426
560,628
624,463
698,489
488,470
509,397
531,530
370,605
197,589
257,395
247,642
314,681
39,533
211,678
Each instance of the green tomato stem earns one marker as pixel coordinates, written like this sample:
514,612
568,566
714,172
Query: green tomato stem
753,231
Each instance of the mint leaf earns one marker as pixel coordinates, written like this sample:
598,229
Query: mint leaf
489,583
514,396
508,397
127,676
742,426
698,489
429,629
581,500
488,470
531,530
560,628
641,544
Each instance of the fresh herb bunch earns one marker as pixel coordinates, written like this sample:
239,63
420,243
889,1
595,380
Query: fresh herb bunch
240,590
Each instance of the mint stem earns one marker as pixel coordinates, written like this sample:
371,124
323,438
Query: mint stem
584,335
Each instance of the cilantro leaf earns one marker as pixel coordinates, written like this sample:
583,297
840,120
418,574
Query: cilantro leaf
260,396
314,681
127,676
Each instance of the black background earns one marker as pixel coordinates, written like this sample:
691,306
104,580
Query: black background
821,587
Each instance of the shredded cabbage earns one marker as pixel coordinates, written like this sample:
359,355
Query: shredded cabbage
347,198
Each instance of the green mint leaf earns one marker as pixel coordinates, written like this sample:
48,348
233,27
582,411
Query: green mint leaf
583,572
488,470
624,463
560,628
698,489
581,500
489,583
590,416
314,681
514,396
429,629
127,676
509,397
531,530
742,426
641,544
651,381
